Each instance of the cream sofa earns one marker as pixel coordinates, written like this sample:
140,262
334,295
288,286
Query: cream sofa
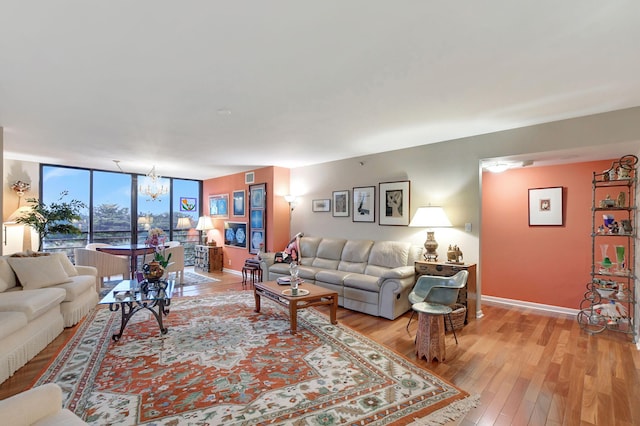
39,296
374,277
40,406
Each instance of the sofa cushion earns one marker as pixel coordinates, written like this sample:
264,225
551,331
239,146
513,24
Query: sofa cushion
362,282
355,255
11,322
329,253
389,254
32,303
38,272
7,276
331,277
66,264
77,286
308,249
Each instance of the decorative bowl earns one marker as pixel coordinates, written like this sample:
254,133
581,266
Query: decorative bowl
605,292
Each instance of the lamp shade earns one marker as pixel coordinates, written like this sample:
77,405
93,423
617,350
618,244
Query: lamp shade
430,217
204,223
184,223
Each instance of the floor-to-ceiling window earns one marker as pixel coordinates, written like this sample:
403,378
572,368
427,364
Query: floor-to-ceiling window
117,211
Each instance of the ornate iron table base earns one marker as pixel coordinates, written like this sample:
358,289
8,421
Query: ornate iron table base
129,309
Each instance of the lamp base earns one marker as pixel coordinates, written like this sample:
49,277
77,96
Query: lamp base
430,246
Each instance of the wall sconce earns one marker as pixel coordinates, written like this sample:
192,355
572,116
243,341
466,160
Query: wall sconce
291,199
430,217
204,224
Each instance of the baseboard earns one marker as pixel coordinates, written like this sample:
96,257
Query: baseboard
542,308
232,271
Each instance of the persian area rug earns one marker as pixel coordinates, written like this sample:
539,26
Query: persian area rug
221,363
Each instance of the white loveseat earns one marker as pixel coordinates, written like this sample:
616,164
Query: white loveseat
39,296
374,277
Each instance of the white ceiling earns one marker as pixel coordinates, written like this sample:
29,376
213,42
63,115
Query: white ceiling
208,88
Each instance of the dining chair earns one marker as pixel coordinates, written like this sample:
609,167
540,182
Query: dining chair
107,265
436,294
176,263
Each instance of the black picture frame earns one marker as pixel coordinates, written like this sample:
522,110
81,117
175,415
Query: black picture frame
235,234
394,203
340,203
257,217
364,204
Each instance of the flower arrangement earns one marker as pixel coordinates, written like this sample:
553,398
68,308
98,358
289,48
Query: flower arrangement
156,238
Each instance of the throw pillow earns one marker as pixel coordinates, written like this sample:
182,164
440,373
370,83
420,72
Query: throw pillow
7,277
38,272
66,264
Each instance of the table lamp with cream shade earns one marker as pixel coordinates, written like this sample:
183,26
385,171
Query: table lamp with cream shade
205,224
183,223
430,217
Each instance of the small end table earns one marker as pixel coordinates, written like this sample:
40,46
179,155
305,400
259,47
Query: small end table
430,336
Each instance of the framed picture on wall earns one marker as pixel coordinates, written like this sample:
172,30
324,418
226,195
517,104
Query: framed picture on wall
364,204
323,205
238,202
341,203
257,217
394,203
545,206
249,178
219,206
235,234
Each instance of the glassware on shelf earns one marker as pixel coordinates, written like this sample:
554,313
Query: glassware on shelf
620,258
620,294
606,262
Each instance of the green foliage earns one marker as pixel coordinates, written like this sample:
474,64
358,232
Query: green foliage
56,218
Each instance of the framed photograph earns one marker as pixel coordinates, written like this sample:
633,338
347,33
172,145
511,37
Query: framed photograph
188,204
238,202
219,206
394,203
257,239
235,234
249,178
341,203
257,196
545,206
258,217
323,205
364,204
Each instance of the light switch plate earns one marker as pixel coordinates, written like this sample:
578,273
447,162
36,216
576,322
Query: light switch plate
467,227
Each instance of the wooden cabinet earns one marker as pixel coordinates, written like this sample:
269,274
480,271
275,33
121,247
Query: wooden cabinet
208,258
467,296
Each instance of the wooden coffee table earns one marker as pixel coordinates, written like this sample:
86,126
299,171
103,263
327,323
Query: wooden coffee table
316,296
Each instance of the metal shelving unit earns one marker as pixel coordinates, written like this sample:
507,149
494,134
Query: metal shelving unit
609,301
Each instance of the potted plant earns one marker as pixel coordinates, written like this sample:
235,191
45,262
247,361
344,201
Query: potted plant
55,218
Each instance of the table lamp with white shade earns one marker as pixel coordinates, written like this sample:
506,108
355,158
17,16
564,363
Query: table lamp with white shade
204,224
430,217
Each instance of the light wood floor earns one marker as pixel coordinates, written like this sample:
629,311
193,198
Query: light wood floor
528,369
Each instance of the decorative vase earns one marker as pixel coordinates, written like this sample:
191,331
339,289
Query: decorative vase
620,258
152,271
620,294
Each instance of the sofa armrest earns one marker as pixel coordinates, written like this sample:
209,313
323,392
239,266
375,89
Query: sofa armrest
267,259
399,272
31,405
87,270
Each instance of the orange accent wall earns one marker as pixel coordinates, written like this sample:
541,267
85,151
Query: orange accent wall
542,264
277,180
